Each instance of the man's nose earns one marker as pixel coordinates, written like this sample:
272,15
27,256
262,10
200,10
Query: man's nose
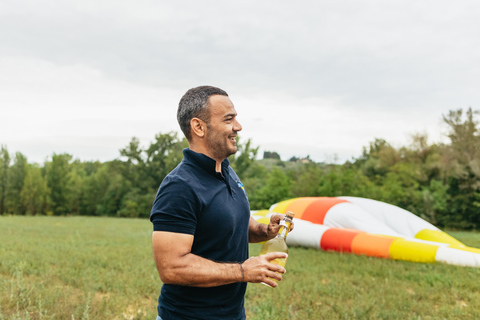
237,126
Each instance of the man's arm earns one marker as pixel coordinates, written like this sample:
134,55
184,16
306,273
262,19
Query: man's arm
177,265
258,232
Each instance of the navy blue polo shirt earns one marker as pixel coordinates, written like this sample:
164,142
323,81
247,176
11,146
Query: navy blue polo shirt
195,199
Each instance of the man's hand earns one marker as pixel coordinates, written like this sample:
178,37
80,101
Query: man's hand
274,225
261,269
258,232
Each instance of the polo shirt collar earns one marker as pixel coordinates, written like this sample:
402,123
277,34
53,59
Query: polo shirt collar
205,162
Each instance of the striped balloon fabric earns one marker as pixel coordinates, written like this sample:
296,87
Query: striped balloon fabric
369,227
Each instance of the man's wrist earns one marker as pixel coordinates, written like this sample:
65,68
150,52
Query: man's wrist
242,272
267,232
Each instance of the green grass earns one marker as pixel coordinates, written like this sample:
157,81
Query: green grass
102,268
76,268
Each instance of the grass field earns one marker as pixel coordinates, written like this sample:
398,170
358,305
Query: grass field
102,268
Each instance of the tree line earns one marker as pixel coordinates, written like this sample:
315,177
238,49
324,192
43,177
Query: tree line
439,182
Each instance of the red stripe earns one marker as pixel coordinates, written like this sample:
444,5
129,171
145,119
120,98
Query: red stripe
317,210
339,240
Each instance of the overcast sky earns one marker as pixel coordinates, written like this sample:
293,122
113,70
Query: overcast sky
318,78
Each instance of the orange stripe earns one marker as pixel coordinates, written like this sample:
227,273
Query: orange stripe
317,210
298,206
372,245
338,239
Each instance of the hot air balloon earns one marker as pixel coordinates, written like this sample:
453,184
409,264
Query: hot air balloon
369,227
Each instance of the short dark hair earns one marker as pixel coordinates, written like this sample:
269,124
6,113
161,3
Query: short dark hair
194,104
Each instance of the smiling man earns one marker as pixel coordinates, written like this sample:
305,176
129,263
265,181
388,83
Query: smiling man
201,219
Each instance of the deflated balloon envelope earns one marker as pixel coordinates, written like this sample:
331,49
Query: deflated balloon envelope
369,227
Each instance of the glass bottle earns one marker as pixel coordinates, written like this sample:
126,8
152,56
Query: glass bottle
279,244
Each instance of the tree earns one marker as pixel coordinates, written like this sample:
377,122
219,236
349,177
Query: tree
74,189
401,187
464,168
271,155
463,134
435,202
34,194
94,187
58,180
276,188
4,168
16,180
346,180
134,168
376,162
136,204
112,200
163,155
244,158
307,180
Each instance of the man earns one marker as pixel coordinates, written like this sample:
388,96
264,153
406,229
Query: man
202,222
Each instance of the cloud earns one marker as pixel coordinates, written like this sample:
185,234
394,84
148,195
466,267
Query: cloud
49,108
350,71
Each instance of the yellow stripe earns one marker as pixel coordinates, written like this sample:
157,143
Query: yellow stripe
264,220
282,206
260,213
413,251
437,236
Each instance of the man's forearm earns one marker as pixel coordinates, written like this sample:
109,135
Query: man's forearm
195,271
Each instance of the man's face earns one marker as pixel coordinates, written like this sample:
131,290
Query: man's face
222,127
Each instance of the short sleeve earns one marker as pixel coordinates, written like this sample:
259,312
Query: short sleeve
175,207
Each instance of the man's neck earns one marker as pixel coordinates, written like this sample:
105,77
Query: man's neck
198,149
218,167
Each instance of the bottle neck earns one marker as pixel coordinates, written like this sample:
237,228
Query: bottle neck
284,228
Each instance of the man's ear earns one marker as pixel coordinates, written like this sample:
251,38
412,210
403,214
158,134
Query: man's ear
198,127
